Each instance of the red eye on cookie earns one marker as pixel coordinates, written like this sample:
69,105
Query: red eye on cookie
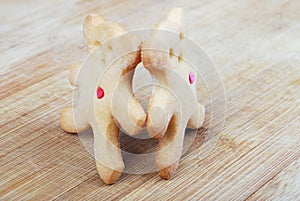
191,78
100,93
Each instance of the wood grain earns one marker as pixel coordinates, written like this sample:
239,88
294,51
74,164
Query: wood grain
255,46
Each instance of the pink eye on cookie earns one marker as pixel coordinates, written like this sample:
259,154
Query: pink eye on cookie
100,93
191,78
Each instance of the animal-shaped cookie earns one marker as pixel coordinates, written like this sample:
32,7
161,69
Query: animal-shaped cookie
106,98
173,105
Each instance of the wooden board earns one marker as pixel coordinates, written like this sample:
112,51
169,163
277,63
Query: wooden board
255,46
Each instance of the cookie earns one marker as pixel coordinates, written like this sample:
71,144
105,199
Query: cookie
173,105
106,99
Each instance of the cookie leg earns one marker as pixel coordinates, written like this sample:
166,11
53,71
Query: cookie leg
159,115
169,149
126,109
136,115
130,115
67,121
108,156
196,121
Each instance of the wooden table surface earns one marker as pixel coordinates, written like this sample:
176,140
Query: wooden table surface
255,45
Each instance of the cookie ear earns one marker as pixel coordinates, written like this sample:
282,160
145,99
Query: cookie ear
174,22
175,15
93,30
165,47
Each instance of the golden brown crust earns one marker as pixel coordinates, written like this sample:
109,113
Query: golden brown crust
168,172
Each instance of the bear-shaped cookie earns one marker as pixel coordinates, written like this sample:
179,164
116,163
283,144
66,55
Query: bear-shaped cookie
173,105
106,99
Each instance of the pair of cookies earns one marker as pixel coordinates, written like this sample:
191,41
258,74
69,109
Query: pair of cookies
172,106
